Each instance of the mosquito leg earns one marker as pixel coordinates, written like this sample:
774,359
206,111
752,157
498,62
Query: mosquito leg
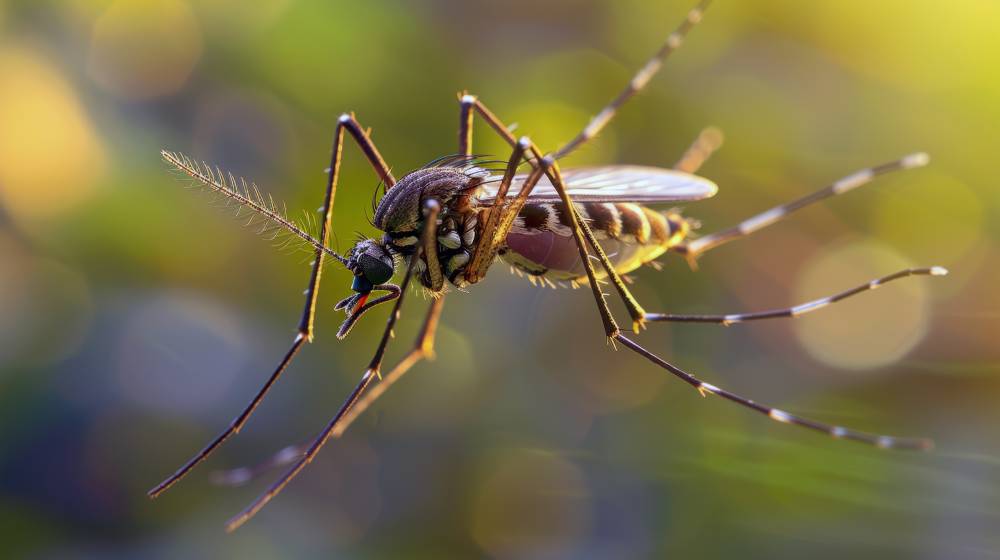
471,103
853,181
882,441
498,219
236,424
722,319
548,165
581,231
638,81
797,310
468,106
707,142
366,379
348,122
704,388
305,329
699,246
491,217
432,208
423,349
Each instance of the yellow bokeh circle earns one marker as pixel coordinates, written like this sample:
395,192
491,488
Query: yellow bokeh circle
869,330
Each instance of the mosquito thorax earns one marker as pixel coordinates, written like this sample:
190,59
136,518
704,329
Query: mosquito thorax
400,209
400,215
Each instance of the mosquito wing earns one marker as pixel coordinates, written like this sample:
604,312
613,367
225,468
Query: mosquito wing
613,183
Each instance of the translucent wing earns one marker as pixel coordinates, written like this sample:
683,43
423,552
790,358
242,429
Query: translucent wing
613,183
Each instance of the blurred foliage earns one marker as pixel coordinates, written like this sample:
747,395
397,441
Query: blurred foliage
135,319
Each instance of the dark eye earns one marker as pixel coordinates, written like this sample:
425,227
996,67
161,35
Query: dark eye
372,265
376,270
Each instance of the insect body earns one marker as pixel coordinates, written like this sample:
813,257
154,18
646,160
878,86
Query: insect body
632,234
540,240
450,221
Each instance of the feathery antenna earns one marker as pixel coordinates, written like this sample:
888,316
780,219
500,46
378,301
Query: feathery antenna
246,196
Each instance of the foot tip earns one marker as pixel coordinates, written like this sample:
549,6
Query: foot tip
918,159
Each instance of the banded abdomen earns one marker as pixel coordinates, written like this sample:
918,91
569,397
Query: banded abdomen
542,244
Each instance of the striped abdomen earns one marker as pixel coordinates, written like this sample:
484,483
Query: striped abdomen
542,244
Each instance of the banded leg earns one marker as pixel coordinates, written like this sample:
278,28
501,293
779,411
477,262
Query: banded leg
639,316
495,221
699,246
747,227
839,432
707,142
305,328
423,349
635,310
547,164
798,310
432,208
582,231
470,104
637,82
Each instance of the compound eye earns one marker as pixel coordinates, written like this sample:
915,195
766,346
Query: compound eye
374,269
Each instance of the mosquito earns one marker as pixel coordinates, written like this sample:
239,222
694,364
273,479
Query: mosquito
447,223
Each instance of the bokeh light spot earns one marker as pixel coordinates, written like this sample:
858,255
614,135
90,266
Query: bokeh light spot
441,395
50,155
46,308
870,330
178,354
531,504
144,48
238,19
935,216
551,124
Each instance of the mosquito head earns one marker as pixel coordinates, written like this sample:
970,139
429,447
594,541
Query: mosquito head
371,263
373,266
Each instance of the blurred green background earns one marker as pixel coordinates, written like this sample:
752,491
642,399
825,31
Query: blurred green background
136,320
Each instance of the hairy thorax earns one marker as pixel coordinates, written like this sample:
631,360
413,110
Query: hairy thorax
400,215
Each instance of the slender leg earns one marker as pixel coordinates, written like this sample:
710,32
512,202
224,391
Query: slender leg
470,103
797,310
548,165
707,142
701,245
637,82
704,388
581,231
466,104
882,441
638,315
305,329
423,348
432,208
512,210
489,218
